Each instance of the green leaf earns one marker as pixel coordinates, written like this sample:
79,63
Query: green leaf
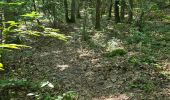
1,66
56,35
12,23
14,3
13,46
33,33
31,15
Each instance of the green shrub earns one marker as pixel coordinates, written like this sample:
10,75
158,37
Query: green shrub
116,52
143,84
137,37
138,61
40,91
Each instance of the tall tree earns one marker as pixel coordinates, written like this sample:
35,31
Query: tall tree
130,13
73,11
78,3
116,7
110,8
66,11
35,9
122,11
1,24
98,13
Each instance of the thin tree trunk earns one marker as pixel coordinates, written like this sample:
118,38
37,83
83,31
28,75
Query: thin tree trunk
117,16
66,11
110,8
85,34
103,7
35,9
122,11
54,15
73,11
130,15
78,15
1,36
98,13
1,24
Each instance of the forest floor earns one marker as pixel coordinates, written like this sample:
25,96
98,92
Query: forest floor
83,68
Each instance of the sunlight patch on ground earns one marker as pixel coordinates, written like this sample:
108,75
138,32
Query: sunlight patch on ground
114,97
110,27
85,53
167,90
95,61
89,75
167,66
99,38
44,54
56,52
165,69
62,67
49,53
114,44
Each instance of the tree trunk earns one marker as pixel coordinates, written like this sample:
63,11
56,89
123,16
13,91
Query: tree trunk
54,15
1,29
85,33
66,11
130,13
78,15
98,13
73,11
117,16
35,9
110,8
103,6
122,12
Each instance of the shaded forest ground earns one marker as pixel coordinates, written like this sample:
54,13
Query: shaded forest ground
142,73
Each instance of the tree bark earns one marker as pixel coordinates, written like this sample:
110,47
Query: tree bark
110,8
1,29
66,11
35,9
130,13
73,11
78,15
98,13
117,16
122,11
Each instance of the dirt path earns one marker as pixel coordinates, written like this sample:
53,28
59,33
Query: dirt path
73,66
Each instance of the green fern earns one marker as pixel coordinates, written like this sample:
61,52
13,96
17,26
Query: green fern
13,46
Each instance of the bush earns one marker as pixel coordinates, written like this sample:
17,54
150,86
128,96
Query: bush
143,82
116,52
137,37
